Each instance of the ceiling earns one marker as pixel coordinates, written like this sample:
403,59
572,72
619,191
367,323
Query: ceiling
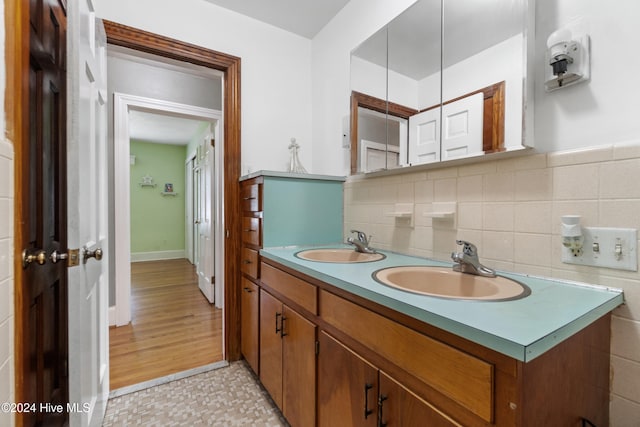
162,128
303,17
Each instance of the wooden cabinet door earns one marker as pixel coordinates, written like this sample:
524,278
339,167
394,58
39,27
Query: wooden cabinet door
400,407
347,386
271,346
299,369
249,323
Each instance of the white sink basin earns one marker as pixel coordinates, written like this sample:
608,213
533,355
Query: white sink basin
443,282
338,255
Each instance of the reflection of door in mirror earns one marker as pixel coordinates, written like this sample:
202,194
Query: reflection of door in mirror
472,125
365,109
376,156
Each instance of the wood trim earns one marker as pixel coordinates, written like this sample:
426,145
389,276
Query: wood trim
121,35
17,116
376,104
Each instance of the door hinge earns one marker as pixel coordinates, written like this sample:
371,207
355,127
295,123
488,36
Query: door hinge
213,280
74,257
213,142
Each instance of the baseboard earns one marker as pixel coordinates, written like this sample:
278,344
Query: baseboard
112,315
157,256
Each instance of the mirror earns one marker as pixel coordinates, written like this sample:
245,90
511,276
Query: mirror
442,81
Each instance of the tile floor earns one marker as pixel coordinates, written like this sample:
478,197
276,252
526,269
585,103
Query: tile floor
229,396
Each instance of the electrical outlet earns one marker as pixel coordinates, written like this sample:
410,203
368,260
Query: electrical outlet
606,247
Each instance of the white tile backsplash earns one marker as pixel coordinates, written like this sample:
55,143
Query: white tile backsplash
6,281
511,210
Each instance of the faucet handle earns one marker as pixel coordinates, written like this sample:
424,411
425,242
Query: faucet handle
361,236
468,247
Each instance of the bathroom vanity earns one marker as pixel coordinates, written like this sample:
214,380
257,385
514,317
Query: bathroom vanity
337,347
280,208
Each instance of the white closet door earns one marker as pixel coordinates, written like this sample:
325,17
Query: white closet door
424,137
462,124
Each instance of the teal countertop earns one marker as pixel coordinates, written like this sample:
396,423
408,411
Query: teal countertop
523,329
277,174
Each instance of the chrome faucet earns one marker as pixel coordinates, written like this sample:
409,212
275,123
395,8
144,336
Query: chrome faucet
361,242
467,261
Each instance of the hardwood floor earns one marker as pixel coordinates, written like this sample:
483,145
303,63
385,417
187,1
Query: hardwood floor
173,326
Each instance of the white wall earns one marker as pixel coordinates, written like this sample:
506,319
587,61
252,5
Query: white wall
7,376
276,70
331,53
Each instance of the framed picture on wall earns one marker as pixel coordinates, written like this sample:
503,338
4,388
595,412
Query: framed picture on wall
168,188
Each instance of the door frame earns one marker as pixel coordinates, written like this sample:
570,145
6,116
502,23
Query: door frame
122,104
122,35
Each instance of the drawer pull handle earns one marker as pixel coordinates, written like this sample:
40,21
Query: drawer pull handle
246,261
282,333
249,230
367,411
247,290
381,400
248,198
278,329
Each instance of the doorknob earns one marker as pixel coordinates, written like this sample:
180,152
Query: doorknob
86,254
39,256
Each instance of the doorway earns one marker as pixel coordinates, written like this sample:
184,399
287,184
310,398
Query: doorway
121,35
153,176
211,213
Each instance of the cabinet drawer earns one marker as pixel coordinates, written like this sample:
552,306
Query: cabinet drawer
249,264
251,230
461,377
298,291
251,198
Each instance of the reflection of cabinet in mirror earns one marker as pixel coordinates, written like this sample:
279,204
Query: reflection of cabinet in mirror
423,142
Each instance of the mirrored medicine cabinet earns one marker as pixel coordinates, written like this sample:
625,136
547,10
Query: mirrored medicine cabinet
443,81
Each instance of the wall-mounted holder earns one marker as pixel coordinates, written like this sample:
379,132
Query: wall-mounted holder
403,213
147,181
443,214
606,247
168,193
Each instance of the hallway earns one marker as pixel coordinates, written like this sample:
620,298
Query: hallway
173,327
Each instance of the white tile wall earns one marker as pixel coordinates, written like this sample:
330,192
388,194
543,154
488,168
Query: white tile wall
6,280
511,209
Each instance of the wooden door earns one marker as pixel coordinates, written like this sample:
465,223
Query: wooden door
249,309
43,308
347,386
398,406
299,369
271,346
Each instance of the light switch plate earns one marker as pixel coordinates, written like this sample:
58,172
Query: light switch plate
599,248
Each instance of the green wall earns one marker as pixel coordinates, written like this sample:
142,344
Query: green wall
157,221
